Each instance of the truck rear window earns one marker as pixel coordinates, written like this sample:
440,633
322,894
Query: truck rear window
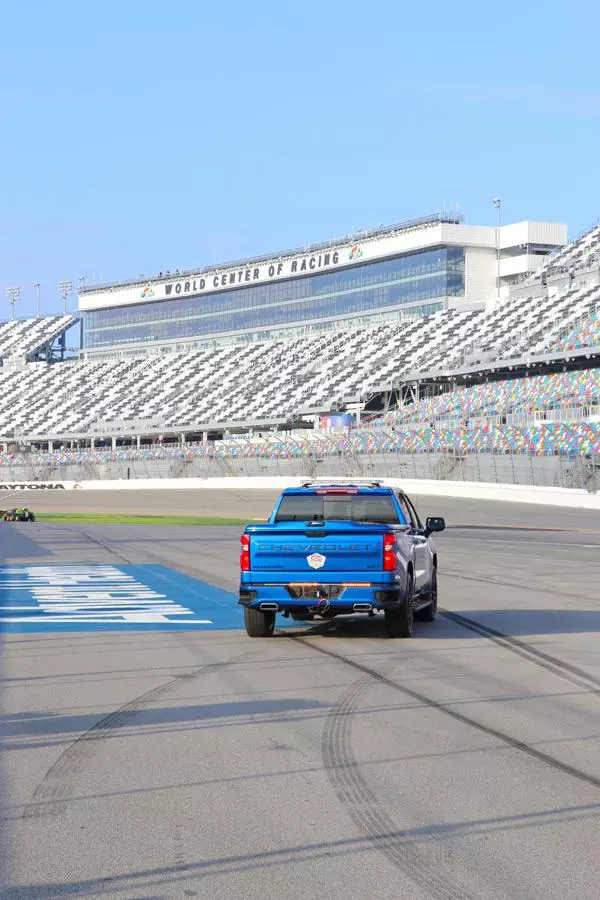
345,508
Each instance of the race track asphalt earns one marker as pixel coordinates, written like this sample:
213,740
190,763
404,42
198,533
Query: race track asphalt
326,762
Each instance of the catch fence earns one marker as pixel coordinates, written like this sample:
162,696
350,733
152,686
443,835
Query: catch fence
508,468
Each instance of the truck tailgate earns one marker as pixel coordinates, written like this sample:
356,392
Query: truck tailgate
349,548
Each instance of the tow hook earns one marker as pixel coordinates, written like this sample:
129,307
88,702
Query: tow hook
323,604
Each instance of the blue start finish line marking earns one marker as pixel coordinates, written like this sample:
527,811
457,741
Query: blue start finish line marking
96,597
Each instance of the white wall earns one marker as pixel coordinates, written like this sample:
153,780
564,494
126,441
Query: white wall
471,236
528,232
519,265
547,496
480,273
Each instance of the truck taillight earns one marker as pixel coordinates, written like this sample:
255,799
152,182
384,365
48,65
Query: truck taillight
389,553
245,553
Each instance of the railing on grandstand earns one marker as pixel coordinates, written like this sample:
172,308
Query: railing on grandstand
531,417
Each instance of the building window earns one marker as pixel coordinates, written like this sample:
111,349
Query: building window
370,288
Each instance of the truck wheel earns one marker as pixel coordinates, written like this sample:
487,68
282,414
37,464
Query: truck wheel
399,621
259,623
428,614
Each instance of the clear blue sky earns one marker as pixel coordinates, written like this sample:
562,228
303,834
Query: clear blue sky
142,135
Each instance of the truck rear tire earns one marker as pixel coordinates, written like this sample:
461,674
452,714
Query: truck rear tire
259,623
399,621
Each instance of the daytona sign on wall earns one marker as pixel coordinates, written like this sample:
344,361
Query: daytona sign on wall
38,485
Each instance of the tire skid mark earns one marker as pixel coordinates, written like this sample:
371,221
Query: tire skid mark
365,810
540,658
54,788
451,712
491,579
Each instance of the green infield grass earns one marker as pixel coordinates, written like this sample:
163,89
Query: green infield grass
125,519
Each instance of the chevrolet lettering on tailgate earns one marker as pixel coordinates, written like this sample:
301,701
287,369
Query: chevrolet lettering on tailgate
315,548
337,547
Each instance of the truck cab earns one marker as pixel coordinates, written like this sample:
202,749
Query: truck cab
335,548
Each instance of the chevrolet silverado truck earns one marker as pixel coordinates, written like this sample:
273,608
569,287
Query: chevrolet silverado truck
331,549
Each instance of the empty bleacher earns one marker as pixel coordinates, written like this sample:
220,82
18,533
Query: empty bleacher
568,439
540,393
282,379
579,254
232,383
26,337
240,383
585,334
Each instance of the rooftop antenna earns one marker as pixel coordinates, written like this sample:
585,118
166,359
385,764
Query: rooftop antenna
37,299
13,294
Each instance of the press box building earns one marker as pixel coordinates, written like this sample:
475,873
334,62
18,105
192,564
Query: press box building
410,269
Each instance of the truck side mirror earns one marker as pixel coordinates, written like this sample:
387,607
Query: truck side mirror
434,523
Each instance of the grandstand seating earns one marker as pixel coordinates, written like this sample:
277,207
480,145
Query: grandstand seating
585,334
539,440
234,383
231,383
24,337
581,253
279,379
523,395
569,439
526,326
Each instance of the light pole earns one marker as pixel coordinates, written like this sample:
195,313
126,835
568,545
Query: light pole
13,294
497,206
37,299
65,288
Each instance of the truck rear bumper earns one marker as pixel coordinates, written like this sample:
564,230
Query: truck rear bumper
343,597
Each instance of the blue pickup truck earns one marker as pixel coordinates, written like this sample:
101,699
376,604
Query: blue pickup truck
333,548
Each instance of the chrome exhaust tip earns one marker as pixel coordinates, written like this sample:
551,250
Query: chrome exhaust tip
269,607
362,607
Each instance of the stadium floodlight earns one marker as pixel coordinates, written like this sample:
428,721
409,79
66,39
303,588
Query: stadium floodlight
497,203
36,285
66,289
13,294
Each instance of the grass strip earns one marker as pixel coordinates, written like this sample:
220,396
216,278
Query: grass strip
125,519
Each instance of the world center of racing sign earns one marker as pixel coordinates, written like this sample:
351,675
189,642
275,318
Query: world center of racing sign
103,597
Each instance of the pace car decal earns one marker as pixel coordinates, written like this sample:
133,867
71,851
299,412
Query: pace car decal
316,560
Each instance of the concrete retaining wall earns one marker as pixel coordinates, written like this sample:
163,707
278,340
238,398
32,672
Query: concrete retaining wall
550,471
551,496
